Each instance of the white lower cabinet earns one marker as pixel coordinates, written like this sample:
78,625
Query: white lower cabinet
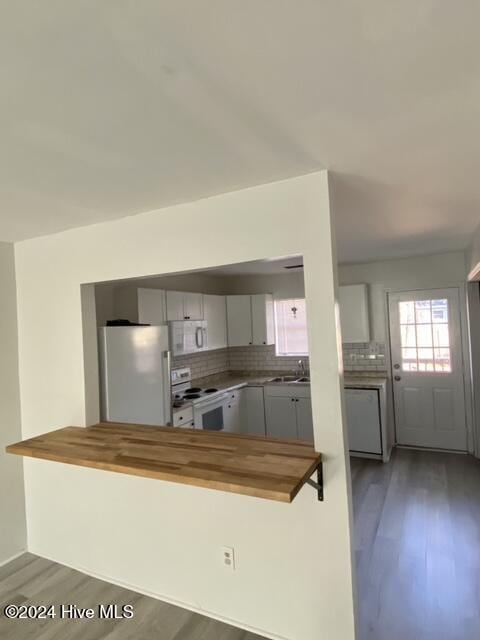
304,419
288,412
281,417
183,417
233,415
253,411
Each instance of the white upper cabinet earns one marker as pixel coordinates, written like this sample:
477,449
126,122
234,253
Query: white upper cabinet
215,313
193,306
263,331
239,321
354,315
182,305
140,305
151,306
250,320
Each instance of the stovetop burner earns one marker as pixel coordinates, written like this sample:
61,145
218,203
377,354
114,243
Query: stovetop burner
193,390
191,396
211,390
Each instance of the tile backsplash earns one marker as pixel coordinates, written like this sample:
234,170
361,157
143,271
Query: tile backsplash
262,358
204,364
254,358
358,356
364,356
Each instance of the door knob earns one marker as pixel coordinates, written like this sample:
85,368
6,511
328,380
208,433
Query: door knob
396,366
397,378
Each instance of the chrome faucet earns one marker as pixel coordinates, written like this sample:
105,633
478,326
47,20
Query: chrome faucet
301,368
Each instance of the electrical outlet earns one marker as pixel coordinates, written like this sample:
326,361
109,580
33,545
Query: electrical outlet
228,557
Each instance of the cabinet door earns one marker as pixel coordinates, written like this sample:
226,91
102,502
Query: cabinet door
262,319
193,306
175,305
232,413
151,306
281,417
215,314
304,419
354,314
239,321
253,411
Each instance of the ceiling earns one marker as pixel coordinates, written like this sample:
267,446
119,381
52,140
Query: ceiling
118,107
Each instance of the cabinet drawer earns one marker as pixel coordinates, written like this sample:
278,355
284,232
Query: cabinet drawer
183,417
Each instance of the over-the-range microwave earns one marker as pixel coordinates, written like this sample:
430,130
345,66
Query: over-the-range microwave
188,336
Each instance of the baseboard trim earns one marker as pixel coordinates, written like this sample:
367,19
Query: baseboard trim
14,557
162,598
411,447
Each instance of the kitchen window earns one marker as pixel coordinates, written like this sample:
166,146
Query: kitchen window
291,327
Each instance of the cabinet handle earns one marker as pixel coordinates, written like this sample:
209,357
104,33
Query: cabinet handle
249,343
264,342
292,400
229,406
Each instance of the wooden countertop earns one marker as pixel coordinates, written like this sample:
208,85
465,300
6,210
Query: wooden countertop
251,465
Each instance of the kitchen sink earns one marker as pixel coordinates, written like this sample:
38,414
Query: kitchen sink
284,379
290,379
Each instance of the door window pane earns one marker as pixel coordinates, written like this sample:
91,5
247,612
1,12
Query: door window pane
424,334
422,311
409,337
439,311
441,337
407,313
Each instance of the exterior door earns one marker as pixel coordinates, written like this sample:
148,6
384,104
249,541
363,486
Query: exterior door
428,382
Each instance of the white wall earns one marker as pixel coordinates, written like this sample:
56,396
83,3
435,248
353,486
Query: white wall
473,256
294,575
424,272
12,501
285,285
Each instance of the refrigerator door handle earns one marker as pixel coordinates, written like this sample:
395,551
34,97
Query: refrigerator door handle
168,387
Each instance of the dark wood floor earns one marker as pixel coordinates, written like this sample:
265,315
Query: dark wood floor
33,580
417,543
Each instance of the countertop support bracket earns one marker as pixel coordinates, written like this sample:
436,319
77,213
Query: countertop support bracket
318,485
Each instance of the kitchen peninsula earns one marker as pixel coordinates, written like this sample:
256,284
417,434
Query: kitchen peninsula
256,466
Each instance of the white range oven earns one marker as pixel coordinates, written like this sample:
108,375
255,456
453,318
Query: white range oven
209,405
209,413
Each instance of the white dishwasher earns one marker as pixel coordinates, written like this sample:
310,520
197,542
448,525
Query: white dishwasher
363,420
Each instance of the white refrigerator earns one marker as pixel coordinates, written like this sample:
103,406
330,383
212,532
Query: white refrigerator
135,375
